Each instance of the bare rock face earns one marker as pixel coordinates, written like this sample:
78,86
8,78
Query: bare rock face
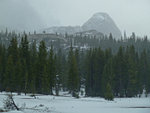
103,23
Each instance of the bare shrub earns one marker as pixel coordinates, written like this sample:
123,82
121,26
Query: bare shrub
9,103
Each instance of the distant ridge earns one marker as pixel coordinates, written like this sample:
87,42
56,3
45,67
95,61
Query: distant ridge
101,22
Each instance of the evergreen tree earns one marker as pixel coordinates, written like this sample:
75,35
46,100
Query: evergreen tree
132,72
73,78
144,70
56,75
18,77
13,56
51,70
108,94
120,73
89,73
108,77
25,60
61,69
42,76
2,65
99,62
9,73
77,57
33,68
13,50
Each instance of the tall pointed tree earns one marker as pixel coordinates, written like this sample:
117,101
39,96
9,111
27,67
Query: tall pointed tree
73,77
9,75
42,76
13,56
51,70
108,93
132,72
33,68
25,60
108,79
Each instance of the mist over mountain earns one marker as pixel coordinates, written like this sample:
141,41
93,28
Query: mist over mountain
101,22
19,15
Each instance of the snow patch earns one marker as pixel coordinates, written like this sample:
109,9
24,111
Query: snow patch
61,104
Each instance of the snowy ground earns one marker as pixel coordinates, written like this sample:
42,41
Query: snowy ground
53,104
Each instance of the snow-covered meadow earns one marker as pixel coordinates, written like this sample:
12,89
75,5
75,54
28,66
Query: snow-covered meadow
62,104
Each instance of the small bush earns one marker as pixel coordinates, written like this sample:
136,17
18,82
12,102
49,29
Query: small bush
9,103
75,94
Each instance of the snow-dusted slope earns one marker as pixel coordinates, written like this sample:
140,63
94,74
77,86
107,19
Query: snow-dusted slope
103,23
100,22
53,104
64,29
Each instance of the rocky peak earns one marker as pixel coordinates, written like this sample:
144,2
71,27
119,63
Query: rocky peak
103,23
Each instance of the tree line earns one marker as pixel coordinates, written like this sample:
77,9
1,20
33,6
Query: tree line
32,68
80,41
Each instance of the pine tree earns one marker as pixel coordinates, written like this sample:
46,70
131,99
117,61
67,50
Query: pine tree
108,77
1,69
13,56
60,74
57,78
77,57
45,82
42,80
98,68
51,70
120,73
2,65
89,73
9,73
108,94
143,79
18,77
25,60
132,73
61,69
73,78
33,68
13,50
24,49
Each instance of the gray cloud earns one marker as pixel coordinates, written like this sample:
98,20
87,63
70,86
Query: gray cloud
129,15
19,15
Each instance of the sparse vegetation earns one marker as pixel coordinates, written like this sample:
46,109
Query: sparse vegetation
9,103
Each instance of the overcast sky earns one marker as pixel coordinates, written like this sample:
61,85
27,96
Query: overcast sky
129,15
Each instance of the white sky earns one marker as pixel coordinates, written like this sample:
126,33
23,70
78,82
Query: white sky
129,15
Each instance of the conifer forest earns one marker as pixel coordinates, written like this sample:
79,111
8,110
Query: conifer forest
120,71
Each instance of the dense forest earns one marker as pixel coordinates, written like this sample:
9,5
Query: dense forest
120,71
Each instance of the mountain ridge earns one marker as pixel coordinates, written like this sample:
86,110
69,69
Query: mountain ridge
101,22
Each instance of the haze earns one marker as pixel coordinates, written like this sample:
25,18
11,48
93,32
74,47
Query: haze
129,15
